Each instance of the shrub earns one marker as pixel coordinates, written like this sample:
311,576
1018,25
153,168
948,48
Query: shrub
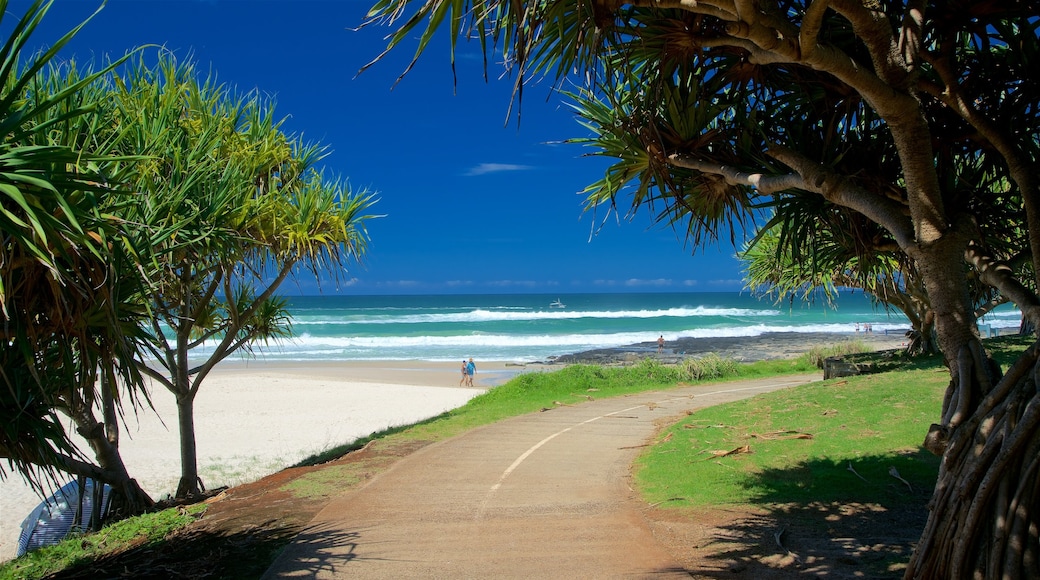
818,354
710,366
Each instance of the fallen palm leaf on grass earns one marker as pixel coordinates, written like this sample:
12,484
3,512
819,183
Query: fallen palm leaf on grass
849,468
774,435
895,473
717,453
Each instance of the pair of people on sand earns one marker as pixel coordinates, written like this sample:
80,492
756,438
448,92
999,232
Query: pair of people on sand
468,368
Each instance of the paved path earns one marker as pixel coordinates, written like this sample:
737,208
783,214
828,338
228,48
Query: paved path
544,495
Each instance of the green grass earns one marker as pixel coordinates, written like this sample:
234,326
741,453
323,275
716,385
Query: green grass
323,483
139,531
796,445
873,422
534,391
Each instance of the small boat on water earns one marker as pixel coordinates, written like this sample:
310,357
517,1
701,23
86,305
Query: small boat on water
557,304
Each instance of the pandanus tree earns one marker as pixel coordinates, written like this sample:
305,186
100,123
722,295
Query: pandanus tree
885,108
813,250
820,266
231,207
71,321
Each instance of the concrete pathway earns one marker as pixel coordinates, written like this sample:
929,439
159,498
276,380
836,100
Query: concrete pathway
544,495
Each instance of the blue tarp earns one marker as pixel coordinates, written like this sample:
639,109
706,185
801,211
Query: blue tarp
52,520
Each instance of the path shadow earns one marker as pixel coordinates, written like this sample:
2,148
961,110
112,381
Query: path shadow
200,553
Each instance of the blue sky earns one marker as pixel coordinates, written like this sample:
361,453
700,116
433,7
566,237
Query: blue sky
473,202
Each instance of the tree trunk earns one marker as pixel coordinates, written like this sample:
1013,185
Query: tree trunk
927,341
127,499
190,484
981,522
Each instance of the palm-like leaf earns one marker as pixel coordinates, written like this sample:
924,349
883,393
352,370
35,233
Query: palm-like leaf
71,323
229,206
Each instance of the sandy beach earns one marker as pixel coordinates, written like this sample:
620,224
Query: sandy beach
254,418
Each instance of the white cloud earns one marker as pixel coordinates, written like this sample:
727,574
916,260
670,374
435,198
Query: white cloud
484,168
513,284
658,282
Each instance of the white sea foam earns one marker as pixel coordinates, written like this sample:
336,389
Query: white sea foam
514,315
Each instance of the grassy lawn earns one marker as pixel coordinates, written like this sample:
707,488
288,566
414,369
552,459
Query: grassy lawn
824,442
830,441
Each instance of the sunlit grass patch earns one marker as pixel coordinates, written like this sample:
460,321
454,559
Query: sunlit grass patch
834,440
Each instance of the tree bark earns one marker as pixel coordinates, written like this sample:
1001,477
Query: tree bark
189,484
983,520
128,499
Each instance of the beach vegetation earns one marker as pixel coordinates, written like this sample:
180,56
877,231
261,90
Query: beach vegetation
817,354
251,210
787,263
145,211
805,252
72,320
915,120
138,532
674,477
708,367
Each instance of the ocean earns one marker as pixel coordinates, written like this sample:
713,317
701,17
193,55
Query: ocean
529,328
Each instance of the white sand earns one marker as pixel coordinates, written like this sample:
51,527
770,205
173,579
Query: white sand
253,419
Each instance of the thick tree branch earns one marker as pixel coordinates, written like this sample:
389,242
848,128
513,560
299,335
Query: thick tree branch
911,34
812,22
722,10
766,184
843,191
1021,169
1000,276
874,30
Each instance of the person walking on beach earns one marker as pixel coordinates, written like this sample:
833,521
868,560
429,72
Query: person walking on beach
660,344
465,374
470,369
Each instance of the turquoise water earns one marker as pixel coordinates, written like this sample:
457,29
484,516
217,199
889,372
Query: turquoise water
526,328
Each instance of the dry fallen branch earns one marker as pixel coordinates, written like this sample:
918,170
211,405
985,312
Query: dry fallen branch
895,473
774,435
587,397
856,473
778,536
667,438
715,454
667,500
